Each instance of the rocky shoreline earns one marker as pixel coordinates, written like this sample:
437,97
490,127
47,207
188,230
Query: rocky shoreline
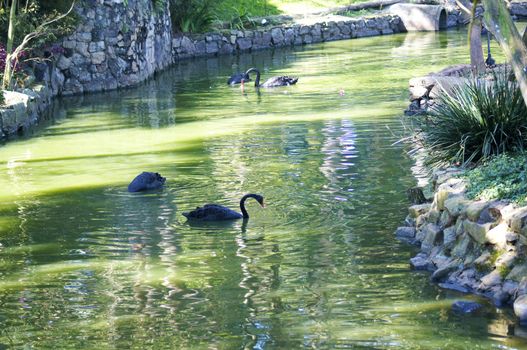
470,246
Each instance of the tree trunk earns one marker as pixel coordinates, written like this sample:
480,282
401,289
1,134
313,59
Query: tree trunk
9,47
499,22
416,195
477,60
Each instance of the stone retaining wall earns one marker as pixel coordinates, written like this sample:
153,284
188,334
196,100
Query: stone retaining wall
237,41
119,44
25,109
471,246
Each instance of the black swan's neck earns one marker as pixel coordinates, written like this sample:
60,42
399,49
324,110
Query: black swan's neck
242,204
257,80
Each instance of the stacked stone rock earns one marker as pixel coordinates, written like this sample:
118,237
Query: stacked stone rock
471,246
26,108
118,44
243,41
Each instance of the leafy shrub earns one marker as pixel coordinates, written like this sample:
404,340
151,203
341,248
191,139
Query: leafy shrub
473,122
33,13
501,177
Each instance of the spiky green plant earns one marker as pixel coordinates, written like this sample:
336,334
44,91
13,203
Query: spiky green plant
474,121
191,15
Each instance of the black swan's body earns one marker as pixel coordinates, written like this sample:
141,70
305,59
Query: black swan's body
272,82
237,78
146,181
215,212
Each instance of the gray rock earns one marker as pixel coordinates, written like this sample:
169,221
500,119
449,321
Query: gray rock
430,236
477,231
64,63
474,209
455,204
518,272
520,308
453,286
405,232
415,210
212,47
449,235
244,44
443,272
466,307
277,36
491,279
518,220
420,262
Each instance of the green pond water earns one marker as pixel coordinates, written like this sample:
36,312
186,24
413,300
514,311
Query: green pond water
85,264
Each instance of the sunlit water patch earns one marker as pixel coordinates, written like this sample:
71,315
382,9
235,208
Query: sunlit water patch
85,264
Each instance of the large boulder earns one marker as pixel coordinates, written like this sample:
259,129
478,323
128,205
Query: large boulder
520,308
146,181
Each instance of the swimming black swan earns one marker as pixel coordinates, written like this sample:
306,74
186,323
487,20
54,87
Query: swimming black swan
237,78
272,82
146,181
215,212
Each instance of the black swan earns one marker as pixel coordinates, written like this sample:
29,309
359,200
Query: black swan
215,212
146,181
237,78
272,82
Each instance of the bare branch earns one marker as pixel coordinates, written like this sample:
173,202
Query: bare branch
39,31
45,24
463,7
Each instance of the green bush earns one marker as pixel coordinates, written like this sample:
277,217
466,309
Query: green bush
31,14
501,177
473,122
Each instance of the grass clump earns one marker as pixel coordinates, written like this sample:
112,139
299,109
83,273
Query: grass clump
199,16
191,15
472,122
501,177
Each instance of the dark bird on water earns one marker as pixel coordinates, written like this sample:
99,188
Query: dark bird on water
273,81
237,78
215,212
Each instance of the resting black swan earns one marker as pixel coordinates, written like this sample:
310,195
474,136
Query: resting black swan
237,78
272,82
215,212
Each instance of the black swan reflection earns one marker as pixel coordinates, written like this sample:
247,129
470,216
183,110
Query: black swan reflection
272,82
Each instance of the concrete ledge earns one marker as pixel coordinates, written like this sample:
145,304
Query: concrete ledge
417,17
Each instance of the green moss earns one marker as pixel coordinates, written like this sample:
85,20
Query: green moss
501,177
504,270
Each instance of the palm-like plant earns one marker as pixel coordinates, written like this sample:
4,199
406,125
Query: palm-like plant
474,121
